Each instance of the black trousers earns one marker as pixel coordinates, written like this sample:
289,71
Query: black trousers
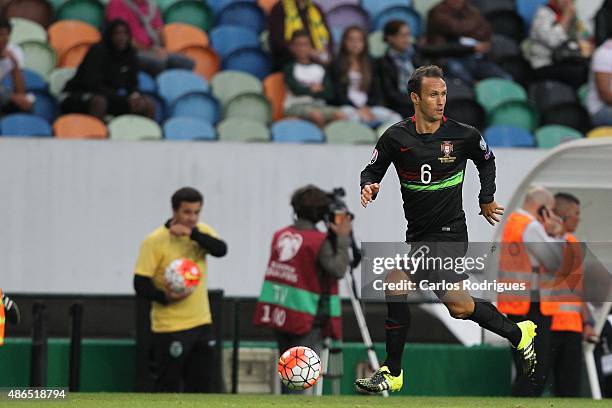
566,363
182,360
523,386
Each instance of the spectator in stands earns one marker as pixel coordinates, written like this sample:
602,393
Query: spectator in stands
556,47
289,16
183,342
309,88
107,79
11,62
145,22
460,23
356,83
603,23
599,98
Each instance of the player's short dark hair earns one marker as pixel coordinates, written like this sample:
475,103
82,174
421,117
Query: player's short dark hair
185,194
299,33
567,197
392,27
426,71
5,23
310,203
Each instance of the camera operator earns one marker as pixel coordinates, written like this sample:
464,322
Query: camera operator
299,298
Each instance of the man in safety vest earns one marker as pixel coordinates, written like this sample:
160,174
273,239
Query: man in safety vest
532,251
572,318
299,298
8,309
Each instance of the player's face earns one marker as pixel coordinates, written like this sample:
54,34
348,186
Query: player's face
571,217
432,100
188,214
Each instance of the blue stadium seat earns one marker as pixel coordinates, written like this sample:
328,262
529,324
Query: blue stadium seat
25,124
346,15
227,39
217,5
242,14
160,107
184,128
327,5
374,7
197,105
508,136
527,9
407,14
251,60
45,106
174,83
146,83
296,131
33,81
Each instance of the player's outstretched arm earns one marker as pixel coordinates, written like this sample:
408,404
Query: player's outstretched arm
368,192
492,212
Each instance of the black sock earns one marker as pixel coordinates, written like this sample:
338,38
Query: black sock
396,330
488,317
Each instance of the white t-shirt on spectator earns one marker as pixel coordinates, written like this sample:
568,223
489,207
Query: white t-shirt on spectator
601,62
6,64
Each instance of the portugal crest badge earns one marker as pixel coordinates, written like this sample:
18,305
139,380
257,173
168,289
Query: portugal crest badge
447,149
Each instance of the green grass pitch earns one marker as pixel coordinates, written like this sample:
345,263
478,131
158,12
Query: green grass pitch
104,400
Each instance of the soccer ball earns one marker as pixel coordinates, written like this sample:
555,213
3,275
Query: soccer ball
182,276
299,368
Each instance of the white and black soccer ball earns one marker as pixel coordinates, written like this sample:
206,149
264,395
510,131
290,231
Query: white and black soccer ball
182,276
299,368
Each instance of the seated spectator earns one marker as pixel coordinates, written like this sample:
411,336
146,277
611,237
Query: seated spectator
599,98
11,61
356,83
144,20
603,23
107,79
458,22
309,88
289,16
555,48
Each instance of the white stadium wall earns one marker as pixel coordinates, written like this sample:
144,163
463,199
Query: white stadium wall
73,213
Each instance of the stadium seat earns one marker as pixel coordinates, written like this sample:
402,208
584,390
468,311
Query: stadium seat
502,46
160,107
251,105
583,93
26,30
457,89
552,135
383,128
346,15
217,5
184,128
24,124
508,23
488,6
88,11
179,36
492,92
197,105
134,127
377,44
39,11
397,13
78,126
518,67
601,131
226,39
514,113
65,35
327,5
39,57
207,62
174,83
242,14
227,84
33,81
251,60
242,130
45,106
508,136
374,7
546,94
274,88
527,9
74,56
146,83
266,5
570,114
349,132
192,12
58,79
296,131
466,111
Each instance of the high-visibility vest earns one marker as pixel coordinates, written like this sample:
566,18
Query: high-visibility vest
515,268
568,289
2,319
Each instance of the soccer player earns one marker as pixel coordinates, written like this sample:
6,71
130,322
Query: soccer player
429,152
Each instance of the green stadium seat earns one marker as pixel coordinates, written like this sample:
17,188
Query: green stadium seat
26,30
58,79
228,84
242,130
383,128
582,93
249,105
39,57
192,12
88,11
349,132
377,44
514,113
165,4
492,92
134,127
552,135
